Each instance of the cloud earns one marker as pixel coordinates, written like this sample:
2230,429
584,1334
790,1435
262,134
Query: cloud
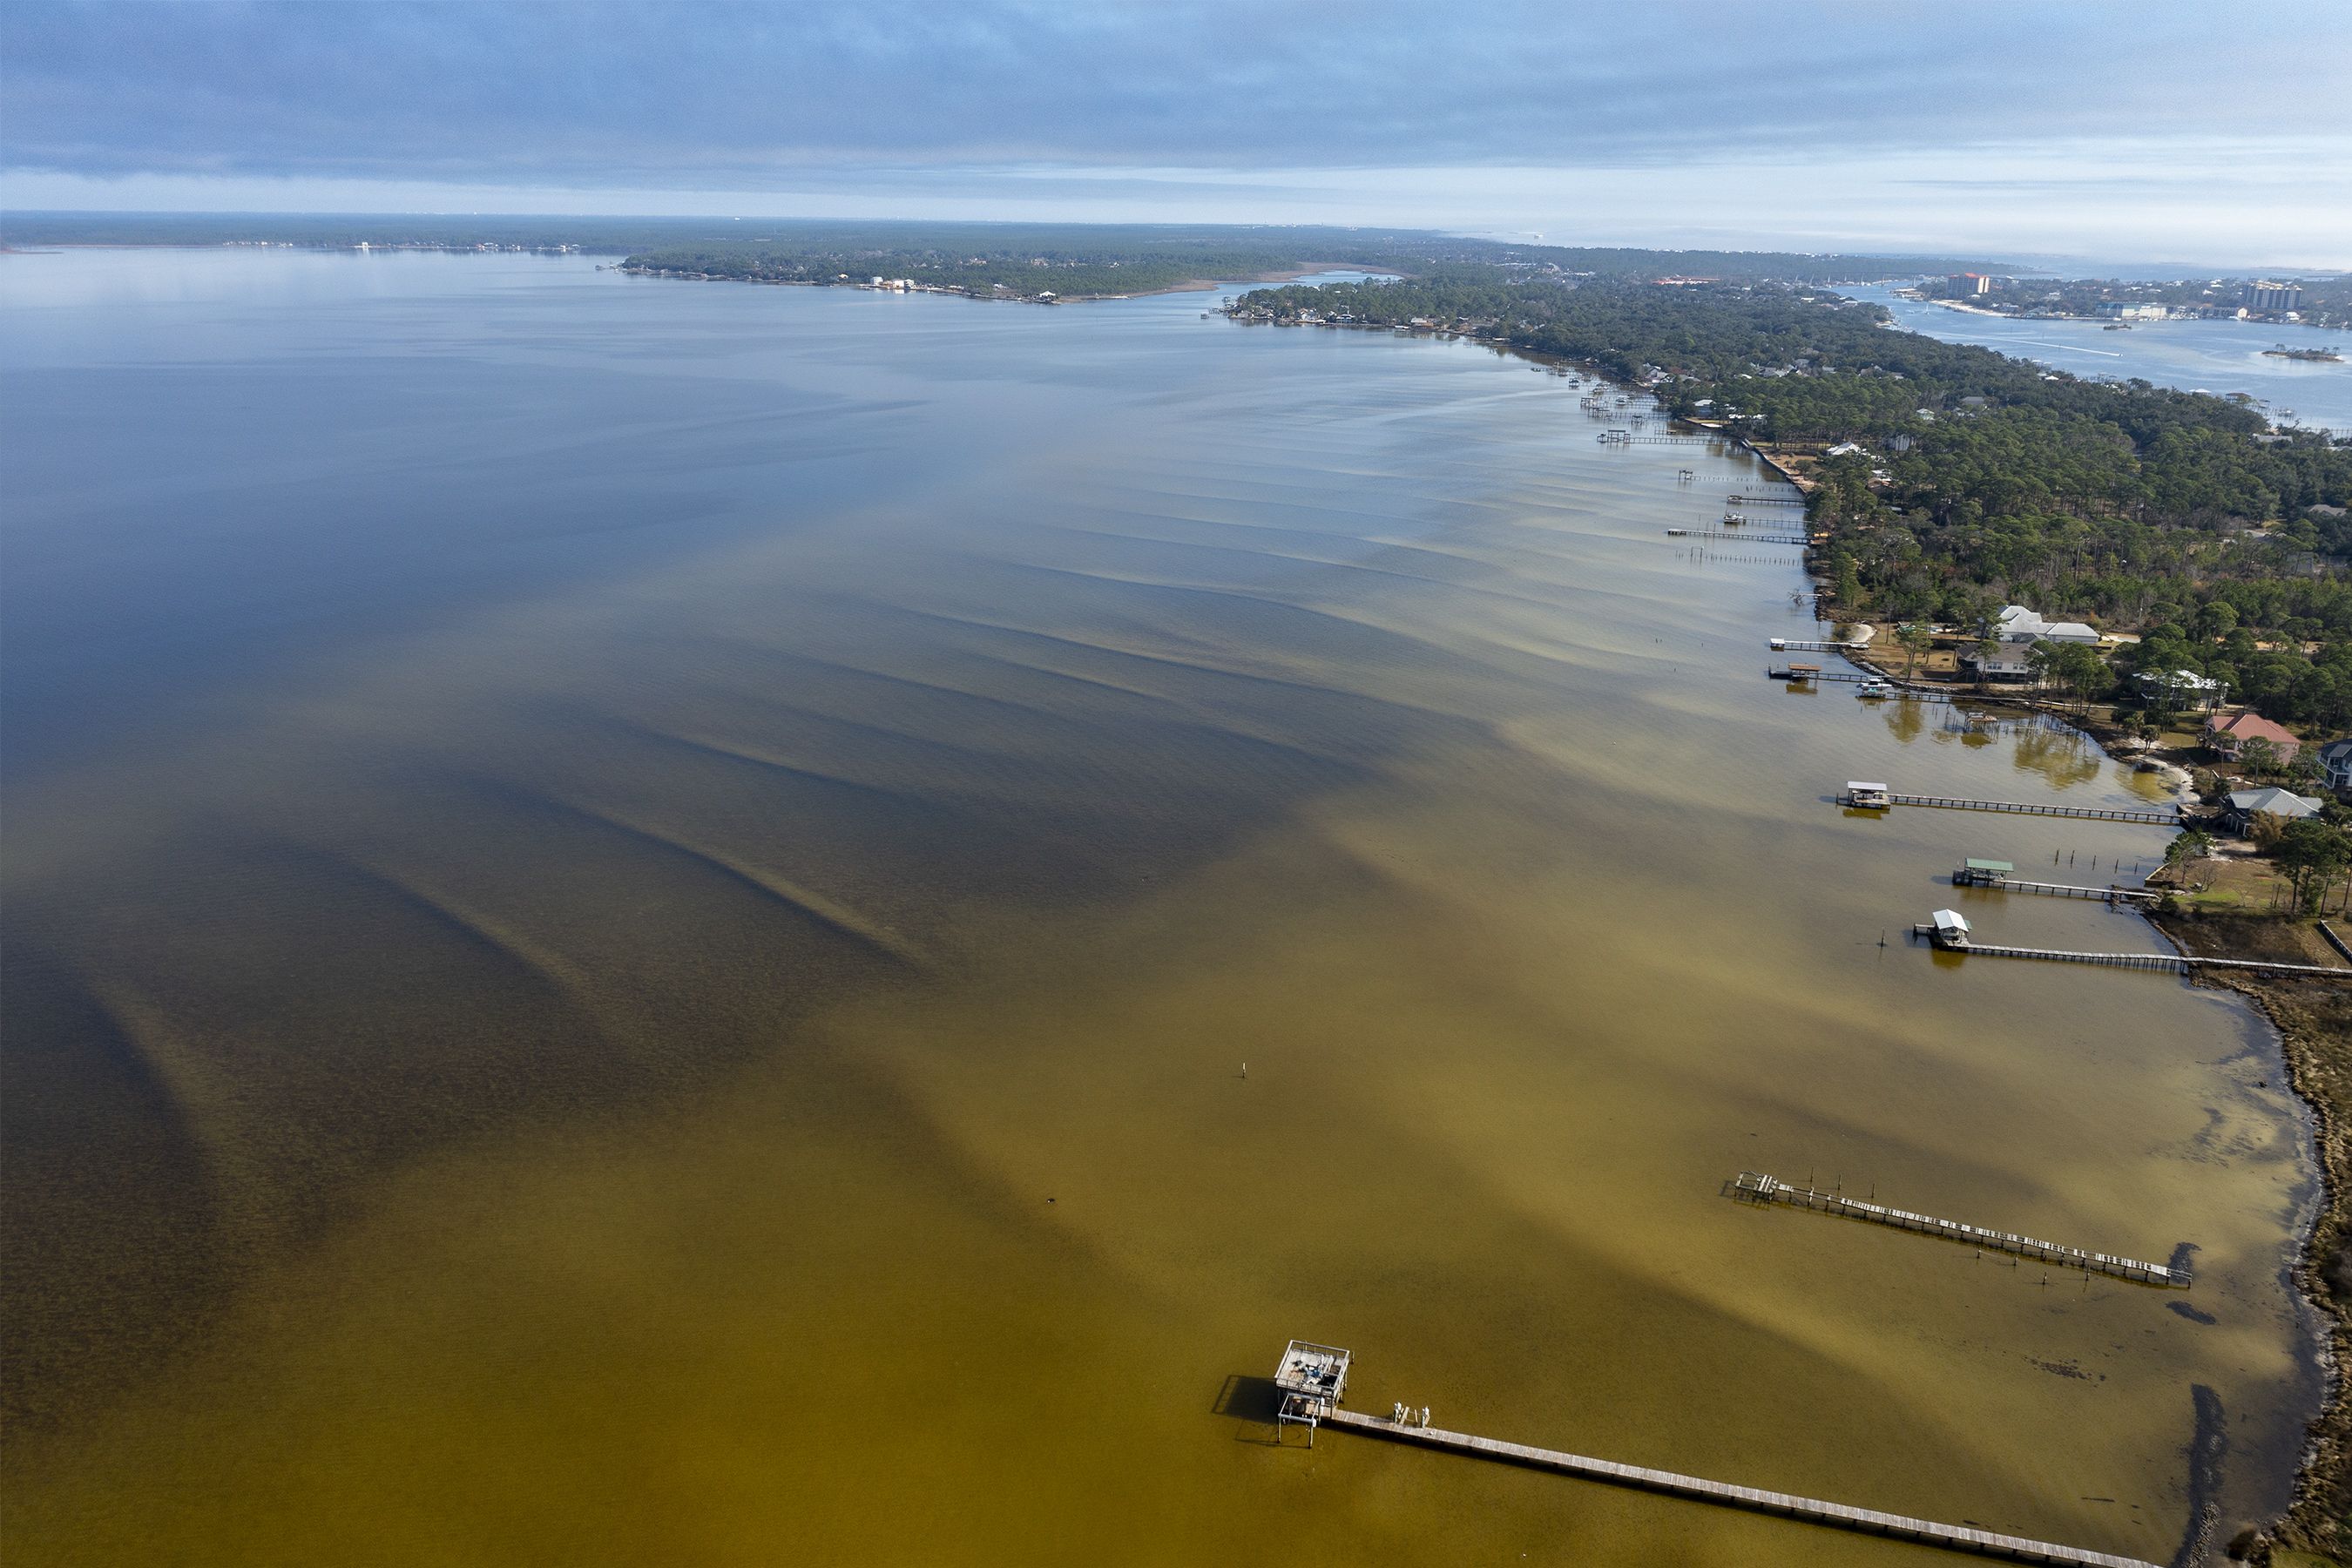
753,97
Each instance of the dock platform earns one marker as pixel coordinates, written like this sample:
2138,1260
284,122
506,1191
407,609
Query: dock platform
2168,817
1868,1522
1754,1187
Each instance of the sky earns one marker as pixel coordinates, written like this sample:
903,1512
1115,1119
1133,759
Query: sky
2155,130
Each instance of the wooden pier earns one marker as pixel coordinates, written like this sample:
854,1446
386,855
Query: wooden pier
2002,882
2168,817
1807,645
2163,963
1742,536
1799,674
1757,1188
1868,1522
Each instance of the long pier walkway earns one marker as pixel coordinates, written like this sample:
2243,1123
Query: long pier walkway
2166,963
2000,883
1869,1521
1763,1189
1742,535
2168,817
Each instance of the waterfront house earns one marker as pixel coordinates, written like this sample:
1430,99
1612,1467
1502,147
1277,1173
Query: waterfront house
2015,631
2245,805
2336,765
2225,734
2178,689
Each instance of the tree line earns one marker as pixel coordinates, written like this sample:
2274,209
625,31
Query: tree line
1980,479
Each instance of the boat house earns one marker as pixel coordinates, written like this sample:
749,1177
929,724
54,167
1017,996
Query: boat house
1312,1379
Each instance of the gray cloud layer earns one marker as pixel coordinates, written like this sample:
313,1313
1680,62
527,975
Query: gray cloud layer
746,95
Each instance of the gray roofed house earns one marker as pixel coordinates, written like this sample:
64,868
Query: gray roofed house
2245,802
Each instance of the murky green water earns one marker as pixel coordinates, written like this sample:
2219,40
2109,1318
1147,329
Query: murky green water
634,911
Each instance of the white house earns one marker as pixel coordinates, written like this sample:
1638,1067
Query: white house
2179,689
2016,623
2016,629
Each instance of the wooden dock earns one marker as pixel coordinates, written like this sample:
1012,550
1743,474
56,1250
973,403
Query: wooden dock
2000,883
2168,817
2166,963
1849,677
1742,535
1754,1187
1868,1522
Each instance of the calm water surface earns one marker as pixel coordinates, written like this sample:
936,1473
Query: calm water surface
633,912
2219,357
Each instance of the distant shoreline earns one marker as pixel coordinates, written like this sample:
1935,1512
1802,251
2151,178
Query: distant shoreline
1187,286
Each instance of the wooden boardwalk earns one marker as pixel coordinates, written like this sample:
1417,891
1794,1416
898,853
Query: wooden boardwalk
1850,679
2168,817
1742,535
2167,963
1998,883
1762,1189
1869,1521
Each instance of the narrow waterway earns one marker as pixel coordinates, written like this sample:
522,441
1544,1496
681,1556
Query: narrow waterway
2218,357
635,912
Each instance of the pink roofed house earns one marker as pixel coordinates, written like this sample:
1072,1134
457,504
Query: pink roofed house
2225,735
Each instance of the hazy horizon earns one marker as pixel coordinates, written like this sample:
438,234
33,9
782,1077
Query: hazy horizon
2100,131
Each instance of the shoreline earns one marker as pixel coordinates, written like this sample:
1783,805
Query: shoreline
2304,1017
1187,286
2308,1017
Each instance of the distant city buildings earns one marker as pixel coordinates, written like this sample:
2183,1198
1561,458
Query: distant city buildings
2264,294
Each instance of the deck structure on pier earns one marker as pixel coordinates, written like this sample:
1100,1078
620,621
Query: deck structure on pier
1754,1187
1312,1379
1838,1516
2169,816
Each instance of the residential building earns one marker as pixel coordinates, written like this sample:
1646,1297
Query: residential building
2179,689
2268,295
2015,631
2246,804
2336,765
2225,734
2015,622
1966,285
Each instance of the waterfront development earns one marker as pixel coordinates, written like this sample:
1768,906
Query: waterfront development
644,905
2219,357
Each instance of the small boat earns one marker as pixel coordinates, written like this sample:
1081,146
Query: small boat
1870,689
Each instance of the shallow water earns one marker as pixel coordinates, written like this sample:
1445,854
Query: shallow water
636,910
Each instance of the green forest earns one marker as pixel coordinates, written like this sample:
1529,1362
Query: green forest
1980,479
